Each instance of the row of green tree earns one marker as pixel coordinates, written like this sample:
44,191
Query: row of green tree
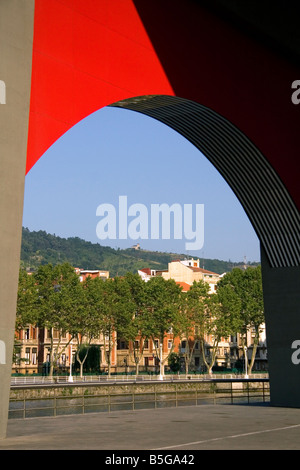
54,298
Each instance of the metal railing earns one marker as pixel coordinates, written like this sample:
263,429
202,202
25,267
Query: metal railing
38,380
58,399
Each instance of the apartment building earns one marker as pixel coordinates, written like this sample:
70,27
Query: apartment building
183,271
188,271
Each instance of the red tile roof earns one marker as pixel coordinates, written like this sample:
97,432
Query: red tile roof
184,285
145,270
201,270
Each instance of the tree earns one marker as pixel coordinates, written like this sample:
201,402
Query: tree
137,326
86,317
193,324
26,301
26,312
247,287
118,309
223,308
211,318
174,362
89,356
164,305
57,302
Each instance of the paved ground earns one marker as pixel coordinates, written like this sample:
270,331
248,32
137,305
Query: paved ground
229,427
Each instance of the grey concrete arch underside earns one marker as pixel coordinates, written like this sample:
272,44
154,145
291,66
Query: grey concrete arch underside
272,212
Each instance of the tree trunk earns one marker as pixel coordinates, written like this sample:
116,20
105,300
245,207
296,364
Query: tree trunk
255,344
81,362
186,360
210,365
51,358
107,353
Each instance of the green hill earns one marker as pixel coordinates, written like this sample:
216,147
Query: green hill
43,248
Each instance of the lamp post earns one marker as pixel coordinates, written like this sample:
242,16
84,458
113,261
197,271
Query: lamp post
70,379
246,363
161,368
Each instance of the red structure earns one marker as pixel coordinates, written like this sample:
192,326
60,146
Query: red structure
90,54
86,55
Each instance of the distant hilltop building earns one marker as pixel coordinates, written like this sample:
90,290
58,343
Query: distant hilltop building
136,247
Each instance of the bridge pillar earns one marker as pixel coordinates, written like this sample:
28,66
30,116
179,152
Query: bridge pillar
16,36
281,287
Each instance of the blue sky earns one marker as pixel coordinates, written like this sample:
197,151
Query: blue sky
116,152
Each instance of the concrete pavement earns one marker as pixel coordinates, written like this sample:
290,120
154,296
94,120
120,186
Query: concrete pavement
204,427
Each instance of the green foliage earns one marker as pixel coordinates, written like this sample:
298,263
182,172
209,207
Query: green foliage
91,354
244,301
164,305
58,296
174,362
27,312
242,291
54,298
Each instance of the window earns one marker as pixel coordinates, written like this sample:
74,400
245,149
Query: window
55,333
27,356
27,333
122,344
18,358
34,356
170,344
146,344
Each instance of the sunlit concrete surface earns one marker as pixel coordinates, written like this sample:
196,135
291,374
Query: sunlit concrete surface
204,427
